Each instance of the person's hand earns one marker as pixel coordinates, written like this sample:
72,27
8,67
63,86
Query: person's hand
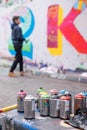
27,40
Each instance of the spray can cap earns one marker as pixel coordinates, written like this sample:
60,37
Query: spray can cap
21,90
84,93
53,91
29,97
79,96
40,89
65,98
62,91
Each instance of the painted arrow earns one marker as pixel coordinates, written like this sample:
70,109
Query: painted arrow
70,31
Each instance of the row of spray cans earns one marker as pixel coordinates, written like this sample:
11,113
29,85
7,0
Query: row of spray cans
57,104
26,105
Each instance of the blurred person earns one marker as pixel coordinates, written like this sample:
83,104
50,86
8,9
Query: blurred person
17,39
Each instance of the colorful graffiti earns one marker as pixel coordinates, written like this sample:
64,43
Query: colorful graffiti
27,49
27,24
68,29
8,3
54,35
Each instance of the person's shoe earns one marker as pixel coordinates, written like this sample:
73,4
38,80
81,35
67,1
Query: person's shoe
21,73
11,74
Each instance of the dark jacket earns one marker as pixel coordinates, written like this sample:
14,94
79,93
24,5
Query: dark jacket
17,36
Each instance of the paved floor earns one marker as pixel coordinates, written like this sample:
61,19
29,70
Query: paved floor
9,87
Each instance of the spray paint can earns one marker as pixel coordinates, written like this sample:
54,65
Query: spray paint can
43,93
29,107
54,106
40,92
65,107
10,125
78,102
84,93
44,105
20,101
3,119
66,93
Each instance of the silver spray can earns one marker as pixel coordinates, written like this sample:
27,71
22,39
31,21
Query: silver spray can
40,92
78,103
54,106
44,105
3,119
65,107
29,107
20,101
66,93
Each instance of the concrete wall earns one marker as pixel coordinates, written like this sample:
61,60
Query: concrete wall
70,56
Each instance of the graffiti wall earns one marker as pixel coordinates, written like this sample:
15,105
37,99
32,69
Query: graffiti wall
27,25
56,29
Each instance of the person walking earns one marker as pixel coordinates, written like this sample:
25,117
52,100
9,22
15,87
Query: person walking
17,39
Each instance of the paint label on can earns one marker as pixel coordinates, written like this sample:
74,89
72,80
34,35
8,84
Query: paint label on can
45,102
67,107
58,105
20,103
20,99
33,105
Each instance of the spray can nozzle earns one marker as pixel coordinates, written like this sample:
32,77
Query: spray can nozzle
21,90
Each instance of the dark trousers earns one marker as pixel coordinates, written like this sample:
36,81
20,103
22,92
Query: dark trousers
18,59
